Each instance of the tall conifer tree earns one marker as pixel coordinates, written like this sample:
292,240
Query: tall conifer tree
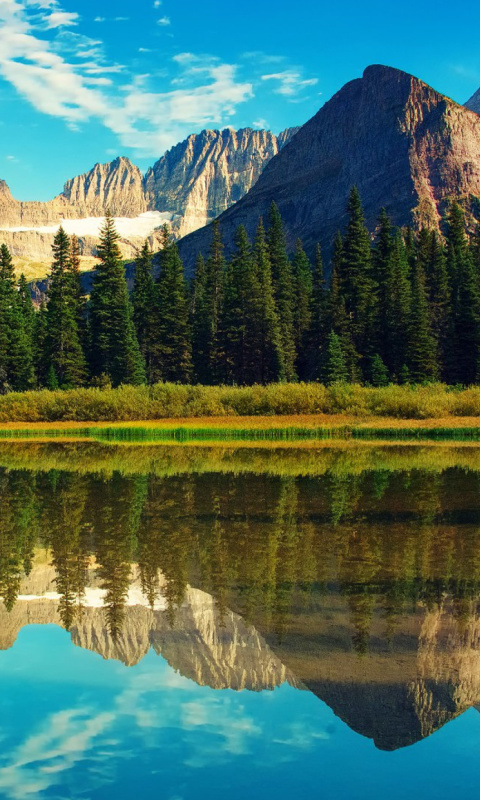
143,303
66,357
114,349
266,329
172,348
284,290
303,284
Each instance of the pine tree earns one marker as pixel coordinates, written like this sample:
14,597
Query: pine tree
200,326
266,335
114,349
171,357
356,276
381,265
16,356
335,368
284,290
317,334
40,345
215,270
338,319
143,303
303,283
378,372
432,258
422,352
78,295
238,314
398,304
65,351
463,357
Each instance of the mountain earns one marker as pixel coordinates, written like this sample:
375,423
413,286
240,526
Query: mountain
474,103
188,187
212,649
407,148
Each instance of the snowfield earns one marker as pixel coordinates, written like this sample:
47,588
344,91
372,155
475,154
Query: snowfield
143,225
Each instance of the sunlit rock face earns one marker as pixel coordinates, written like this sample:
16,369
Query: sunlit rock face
210,647
188,187
405,146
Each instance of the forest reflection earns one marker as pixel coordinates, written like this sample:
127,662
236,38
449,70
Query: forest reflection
268,544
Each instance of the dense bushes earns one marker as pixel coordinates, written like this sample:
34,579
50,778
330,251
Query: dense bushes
167,400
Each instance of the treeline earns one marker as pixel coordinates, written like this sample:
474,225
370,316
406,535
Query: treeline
398,308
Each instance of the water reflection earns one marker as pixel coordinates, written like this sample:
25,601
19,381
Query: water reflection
351,572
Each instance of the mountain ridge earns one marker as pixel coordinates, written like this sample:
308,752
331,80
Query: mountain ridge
406,147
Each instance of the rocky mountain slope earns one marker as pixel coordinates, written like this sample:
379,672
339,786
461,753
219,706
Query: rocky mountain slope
474,103
189,186
407,148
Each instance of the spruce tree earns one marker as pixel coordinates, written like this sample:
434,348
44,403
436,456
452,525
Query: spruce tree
335,368
378,372
319,318
215,270
237,316
338,319
432,258
114,349
422,353
143,303
266,334
40,345
463,357
356,276
171,357
65,352
79,299
16,355
398,305
303,284
200,326
284,290
381,265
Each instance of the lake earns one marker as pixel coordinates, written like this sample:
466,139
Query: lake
211,621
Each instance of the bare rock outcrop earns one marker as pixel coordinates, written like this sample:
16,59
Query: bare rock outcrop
474,103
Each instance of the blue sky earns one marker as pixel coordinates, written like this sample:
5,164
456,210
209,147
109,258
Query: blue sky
82,81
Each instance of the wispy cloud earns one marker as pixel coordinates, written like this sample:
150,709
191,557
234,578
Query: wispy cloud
70,78
163,21
290,82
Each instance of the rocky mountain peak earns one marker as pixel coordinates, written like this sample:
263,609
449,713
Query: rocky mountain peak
117,185
406,147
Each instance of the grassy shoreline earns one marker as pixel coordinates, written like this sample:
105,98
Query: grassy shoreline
280,410
291,428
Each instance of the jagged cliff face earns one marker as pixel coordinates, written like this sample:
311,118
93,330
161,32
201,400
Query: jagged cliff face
189,186
211,649
407,148
207,173
117,186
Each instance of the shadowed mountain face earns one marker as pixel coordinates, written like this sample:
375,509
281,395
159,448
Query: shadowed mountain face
354,574
474,103
405,146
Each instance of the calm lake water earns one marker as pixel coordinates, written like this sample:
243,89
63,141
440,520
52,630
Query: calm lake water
209,622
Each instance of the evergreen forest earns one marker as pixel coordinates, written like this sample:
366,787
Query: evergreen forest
399,307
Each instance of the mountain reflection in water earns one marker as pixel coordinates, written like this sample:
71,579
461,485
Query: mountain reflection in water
353,572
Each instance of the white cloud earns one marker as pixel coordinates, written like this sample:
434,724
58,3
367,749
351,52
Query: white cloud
66,77
290,82
164,21
59,19
157,3
100,19
262,124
